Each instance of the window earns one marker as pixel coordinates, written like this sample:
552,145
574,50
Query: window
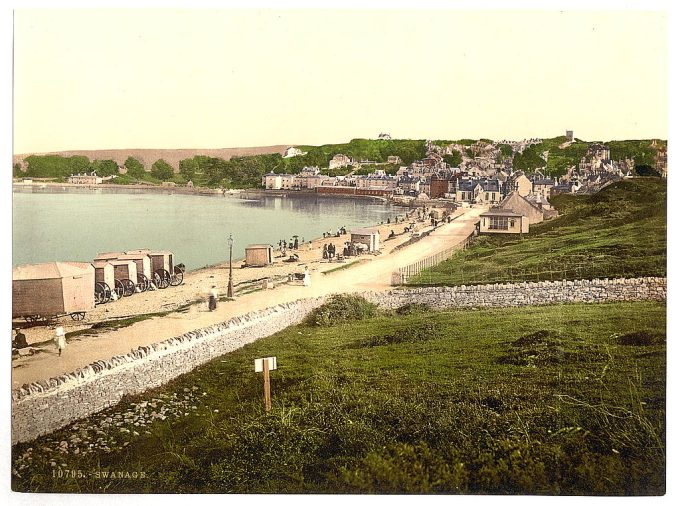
486,196
498,223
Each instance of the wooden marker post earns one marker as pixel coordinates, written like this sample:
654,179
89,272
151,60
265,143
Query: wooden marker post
267,392
264,365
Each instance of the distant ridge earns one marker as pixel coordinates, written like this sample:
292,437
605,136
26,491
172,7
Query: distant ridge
149,156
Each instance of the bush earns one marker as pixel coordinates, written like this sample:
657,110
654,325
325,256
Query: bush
414,333
340,309
412,308
641,339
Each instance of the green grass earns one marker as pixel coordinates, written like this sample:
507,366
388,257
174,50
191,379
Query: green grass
618,232
538,400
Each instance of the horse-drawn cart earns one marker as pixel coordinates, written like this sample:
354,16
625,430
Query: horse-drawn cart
44,292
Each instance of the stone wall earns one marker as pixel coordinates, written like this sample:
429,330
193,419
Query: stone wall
525,294
45,406
42,407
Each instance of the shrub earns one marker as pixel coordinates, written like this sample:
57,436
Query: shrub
340,309
412,308
641,339
413,333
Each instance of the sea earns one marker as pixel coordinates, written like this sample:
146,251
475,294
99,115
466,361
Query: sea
73,224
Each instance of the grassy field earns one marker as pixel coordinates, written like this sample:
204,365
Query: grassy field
618,232
538,400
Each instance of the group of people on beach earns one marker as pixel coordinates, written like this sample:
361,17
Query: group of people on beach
341,231
328,251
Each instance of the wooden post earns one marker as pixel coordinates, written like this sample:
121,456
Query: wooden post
265,375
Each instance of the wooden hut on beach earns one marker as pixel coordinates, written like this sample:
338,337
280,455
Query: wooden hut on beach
52,289
259,255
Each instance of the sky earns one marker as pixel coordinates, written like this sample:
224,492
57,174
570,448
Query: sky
181,78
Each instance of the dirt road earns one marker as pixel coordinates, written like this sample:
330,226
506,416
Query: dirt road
373,273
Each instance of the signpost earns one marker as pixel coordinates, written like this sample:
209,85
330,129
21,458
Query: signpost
264,365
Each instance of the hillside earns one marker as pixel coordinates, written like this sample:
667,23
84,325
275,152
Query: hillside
244,167
149,156
618,232
566,400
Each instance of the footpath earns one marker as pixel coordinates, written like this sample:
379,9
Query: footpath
371,275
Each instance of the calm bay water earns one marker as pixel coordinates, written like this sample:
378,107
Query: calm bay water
76,225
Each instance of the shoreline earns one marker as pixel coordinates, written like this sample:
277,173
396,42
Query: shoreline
245,193
198,281
185,306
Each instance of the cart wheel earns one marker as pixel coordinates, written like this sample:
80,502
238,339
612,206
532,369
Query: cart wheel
142,282
107,292
129,287
119,288
162,278
78,316
102,294
177,277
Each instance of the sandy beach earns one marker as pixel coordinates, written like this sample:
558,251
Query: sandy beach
370,272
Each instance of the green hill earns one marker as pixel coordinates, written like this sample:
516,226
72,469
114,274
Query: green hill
243,171
618,232
566,399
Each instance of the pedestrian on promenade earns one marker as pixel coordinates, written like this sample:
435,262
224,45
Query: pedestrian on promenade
325,251
60,339
212,299
295,243
307,281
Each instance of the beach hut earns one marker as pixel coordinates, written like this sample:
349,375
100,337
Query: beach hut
125,275
52,289
143,263
111,255
368,236
103,272
259,255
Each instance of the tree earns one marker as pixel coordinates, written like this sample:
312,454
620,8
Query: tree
646,170
134,168
104,167
162,170
188,168
454,159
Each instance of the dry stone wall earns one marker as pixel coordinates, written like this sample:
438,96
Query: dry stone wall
42,407
525,294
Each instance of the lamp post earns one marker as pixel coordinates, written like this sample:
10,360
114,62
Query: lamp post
230,286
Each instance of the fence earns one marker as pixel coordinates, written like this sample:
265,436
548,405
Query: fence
416,268
570,268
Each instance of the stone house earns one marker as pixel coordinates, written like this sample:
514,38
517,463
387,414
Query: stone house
339,161
84,179
522,185
512,216
543,187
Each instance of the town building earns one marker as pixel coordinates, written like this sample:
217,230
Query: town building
293,152
512,216
84,179
339,161
377,180
543,187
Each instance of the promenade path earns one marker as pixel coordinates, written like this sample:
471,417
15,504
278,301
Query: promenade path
372,275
